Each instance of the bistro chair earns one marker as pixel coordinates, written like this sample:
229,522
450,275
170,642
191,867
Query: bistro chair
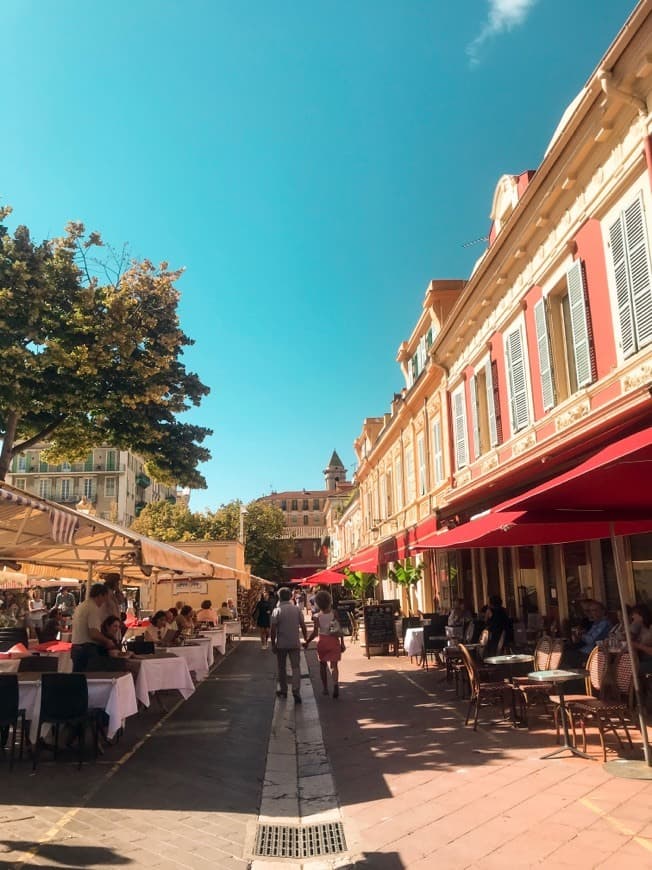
455,667
11,636
608,715
596,665
434,643
10,714
64,701
481,692
529,692
38,664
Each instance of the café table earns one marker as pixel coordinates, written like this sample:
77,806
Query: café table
195,657
413,642
233,628
207,646
509,661
160,672
558,678
217,636
115,694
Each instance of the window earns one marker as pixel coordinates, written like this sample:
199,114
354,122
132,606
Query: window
44,487
295,504
409,473
389,493
437,452
21,463
398,476
65,489
88,462
383,498
109,487
88,487
517,379
459,428
315,504
421,450
305,519
293,520
483,406
630,258
563,329
110,460
304,506
316,519
284,504
20,483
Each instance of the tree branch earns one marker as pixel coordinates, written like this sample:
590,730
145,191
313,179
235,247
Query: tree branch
47,430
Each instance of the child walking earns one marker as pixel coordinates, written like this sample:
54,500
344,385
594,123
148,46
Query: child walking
330,643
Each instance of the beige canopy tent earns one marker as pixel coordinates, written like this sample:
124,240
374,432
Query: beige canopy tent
47,539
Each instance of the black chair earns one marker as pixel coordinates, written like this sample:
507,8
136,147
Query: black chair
434,641
10,713
64,701
38,664
11,636
439,621
45,635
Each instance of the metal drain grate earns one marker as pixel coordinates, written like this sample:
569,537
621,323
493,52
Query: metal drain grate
294,841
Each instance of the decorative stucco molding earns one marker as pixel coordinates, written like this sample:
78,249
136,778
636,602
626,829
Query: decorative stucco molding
572,415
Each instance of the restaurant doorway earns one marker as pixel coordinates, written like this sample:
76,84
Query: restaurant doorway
641,555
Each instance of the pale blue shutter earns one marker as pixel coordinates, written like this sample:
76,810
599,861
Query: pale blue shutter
491,406
579,325
459,422
623,298
473,385
638,258
545,363
518,397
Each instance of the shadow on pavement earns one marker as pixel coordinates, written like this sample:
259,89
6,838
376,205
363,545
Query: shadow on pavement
379,861
67,856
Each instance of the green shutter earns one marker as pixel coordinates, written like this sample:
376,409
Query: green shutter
545,363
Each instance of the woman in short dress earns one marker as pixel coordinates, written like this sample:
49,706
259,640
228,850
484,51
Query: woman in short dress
330,643
262,613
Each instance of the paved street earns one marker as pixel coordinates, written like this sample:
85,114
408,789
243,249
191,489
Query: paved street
412,786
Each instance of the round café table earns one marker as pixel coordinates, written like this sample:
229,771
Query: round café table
558,678
509,661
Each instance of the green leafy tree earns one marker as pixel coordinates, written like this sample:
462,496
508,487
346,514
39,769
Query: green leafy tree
407,576
91,353
265,550
359,583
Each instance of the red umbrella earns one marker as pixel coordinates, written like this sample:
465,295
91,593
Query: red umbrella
325,578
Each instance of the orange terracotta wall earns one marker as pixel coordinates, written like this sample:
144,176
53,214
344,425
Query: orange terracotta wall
591,250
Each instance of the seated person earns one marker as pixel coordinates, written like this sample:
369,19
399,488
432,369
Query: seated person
171,618
232,608
641,631
206,614
157,628
185,622
599,628
225,613
51,626
112,629
459,614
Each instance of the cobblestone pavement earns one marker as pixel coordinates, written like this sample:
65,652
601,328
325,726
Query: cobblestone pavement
413,786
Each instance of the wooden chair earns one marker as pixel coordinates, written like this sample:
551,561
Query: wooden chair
608,715
481,692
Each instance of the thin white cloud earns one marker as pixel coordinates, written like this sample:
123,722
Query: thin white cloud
504,15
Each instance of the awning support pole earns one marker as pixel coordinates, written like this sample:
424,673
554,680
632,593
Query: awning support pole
619,562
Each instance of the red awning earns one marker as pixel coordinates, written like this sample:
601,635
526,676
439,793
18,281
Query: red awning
366,561
617,477
324,578
524,528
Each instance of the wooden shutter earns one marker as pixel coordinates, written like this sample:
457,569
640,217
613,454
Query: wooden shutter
579,324
495,387
623,298
545,363
459,423
638,260
438,451
492,401
517,380
473,386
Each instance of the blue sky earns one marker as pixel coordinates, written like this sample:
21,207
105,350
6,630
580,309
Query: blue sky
312,165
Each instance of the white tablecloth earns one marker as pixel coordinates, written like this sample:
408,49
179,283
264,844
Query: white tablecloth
413,642
10,666
217,637
157,674
233,627
207,644
196,658
116,695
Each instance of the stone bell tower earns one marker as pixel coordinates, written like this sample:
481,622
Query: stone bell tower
335,472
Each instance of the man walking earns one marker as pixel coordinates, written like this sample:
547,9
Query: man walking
287,621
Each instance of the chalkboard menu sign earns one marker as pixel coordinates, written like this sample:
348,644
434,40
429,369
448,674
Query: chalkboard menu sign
379,626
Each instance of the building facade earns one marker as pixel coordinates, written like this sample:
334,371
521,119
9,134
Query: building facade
304,513
542,357
111,483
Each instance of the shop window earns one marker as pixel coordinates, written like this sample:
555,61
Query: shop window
641,552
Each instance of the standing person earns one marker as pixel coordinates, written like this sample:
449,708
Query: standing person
261,613
115,599
87,637
330,642
36,609
286,623
65,602
497,623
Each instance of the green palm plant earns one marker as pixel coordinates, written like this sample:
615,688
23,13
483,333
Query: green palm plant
407,576
359,583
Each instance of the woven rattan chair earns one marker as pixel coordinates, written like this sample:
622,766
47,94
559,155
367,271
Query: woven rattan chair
608,715
596,665
547,656
482,692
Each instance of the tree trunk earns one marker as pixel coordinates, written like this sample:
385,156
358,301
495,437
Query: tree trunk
7,452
